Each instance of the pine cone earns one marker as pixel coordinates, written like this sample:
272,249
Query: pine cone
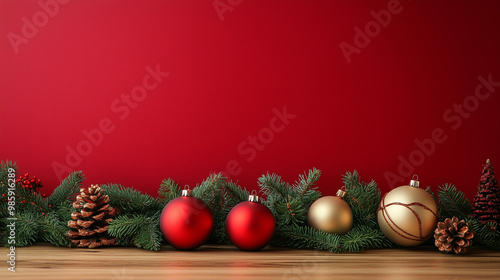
453,235
91,223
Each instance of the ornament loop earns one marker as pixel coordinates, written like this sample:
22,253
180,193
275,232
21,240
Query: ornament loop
253,197
341,193
414,183
186,191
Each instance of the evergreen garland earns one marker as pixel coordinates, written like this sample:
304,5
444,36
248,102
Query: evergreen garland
136,223
38,218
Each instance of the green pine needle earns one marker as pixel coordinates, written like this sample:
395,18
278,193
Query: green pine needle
206,190
169,190
130,201
484,234
272,185
54,230
305,186
140,230
150,237
364,237
363,199
235,193
27,229
453,202
67,189
305,237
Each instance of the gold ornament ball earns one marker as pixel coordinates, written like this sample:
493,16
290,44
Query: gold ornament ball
330,214
407,215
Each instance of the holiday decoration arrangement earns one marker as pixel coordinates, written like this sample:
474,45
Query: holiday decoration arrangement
219,211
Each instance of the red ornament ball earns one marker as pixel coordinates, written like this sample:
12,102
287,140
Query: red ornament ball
186,222
250,225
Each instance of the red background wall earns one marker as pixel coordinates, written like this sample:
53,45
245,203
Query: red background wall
229,69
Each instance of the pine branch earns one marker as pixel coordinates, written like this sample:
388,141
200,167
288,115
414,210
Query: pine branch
130,201
64,210
484,234
68,187
169,190
4,171
205,191
308,238
149,237
304,187
227,197
272,185
125,227
291,212
211,192
364,237
453,202
352,180
27,229
290,204
140,230
4,185
236,194
54,230
31,201
363,199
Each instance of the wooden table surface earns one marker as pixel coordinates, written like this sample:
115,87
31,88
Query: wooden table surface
43,261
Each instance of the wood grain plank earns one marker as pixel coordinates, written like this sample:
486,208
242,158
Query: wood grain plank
43,261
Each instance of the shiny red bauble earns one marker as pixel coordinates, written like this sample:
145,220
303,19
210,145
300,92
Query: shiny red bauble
186,222
250,225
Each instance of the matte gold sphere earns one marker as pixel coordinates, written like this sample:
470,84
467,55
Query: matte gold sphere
407,215
330,214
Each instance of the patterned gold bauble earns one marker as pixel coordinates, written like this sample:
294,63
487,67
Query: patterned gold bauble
331,214
407,215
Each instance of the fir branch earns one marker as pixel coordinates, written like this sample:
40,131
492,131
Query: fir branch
130,201
149,237
291,212
31,201
484,234
140,230
364,237
352,180
63,210
308,238
290,204
363,199
210,191
125,227
68,188
4,172
54,230
272,185
453,202
304,187
4,185
227,197
27,229
205,191
169,190
236,194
